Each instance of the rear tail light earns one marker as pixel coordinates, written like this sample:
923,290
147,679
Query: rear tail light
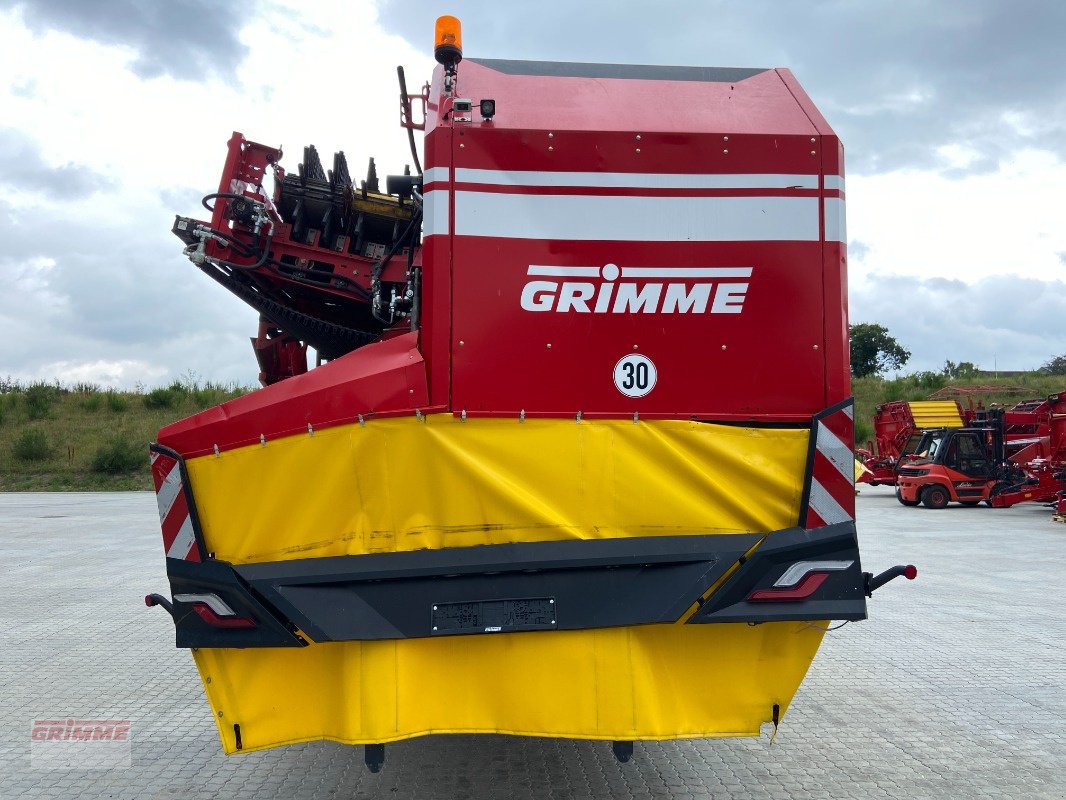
808,586
207,614
213,610
799,581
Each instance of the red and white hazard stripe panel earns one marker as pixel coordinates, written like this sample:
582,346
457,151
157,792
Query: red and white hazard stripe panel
832,491
179,537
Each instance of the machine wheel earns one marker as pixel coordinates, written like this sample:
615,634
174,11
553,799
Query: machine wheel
935,496
910,503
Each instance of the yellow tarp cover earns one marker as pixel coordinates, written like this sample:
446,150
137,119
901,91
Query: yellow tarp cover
649,682
401,484
405,484
935,414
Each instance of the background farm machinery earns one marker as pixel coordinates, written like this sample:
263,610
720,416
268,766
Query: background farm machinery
1024,445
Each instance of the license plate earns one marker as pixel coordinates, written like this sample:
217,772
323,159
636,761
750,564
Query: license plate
494,616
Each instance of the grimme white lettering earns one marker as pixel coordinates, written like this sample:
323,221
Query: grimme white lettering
645,297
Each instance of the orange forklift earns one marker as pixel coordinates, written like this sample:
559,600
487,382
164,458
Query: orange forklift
964,465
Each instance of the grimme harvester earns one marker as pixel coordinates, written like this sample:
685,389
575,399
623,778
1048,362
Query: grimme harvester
547,482
897,428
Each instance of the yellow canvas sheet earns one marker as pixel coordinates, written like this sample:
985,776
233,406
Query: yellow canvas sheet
650,682
404,484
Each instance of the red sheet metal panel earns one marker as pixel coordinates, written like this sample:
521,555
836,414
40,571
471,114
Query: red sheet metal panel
608,232
383,378
664,100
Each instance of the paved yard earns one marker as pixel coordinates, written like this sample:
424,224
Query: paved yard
955,688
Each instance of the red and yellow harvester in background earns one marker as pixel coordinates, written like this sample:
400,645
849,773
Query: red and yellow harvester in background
897,428
579,463
1027,430
981,462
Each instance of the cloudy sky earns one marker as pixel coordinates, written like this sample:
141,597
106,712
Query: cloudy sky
114,116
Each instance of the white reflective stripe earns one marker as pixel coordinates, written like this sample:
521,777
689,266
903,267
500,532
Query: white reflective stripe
168,491
839,454
850,411
183,542
435,174
686,272
836,226
435,213
801,569
825,506
212,601
634,180
564,272
834,182
635,219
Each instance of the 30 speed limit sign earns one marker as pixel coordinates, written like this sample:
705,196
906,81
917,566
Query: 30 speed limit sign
635,375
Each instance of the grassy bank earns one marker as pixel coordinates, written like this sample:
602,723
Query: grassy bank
83,438
871,392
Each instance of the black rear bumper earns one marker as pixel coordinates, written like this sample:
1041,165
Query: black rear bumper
568,585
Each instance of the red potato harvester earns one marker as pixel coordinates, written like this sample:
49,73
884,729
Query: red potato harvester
577,460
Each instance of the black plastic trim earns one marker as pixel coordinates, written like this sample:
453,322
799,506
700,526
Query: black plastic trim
841,597
219,578
590,584
593,583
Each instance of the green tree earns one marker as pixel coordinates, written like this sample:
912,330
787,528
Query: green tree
1055,366
873,350
964,369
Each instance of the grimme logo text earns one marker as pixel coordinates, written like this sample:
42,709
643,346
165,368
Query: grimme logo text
641,290
79,730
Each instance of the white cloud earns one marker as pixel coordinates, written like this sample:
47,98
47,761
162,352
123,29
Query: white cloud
1002,321
967,228
93,280
113,374
894,102
958,156
98,281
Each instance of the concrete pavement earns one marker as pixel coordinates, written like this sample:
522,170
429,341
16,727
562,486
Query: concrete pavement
955,687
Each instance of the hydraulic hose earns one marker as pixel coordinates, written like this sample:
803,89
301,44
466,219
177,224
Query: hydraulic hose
379,267
223,195
406,100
